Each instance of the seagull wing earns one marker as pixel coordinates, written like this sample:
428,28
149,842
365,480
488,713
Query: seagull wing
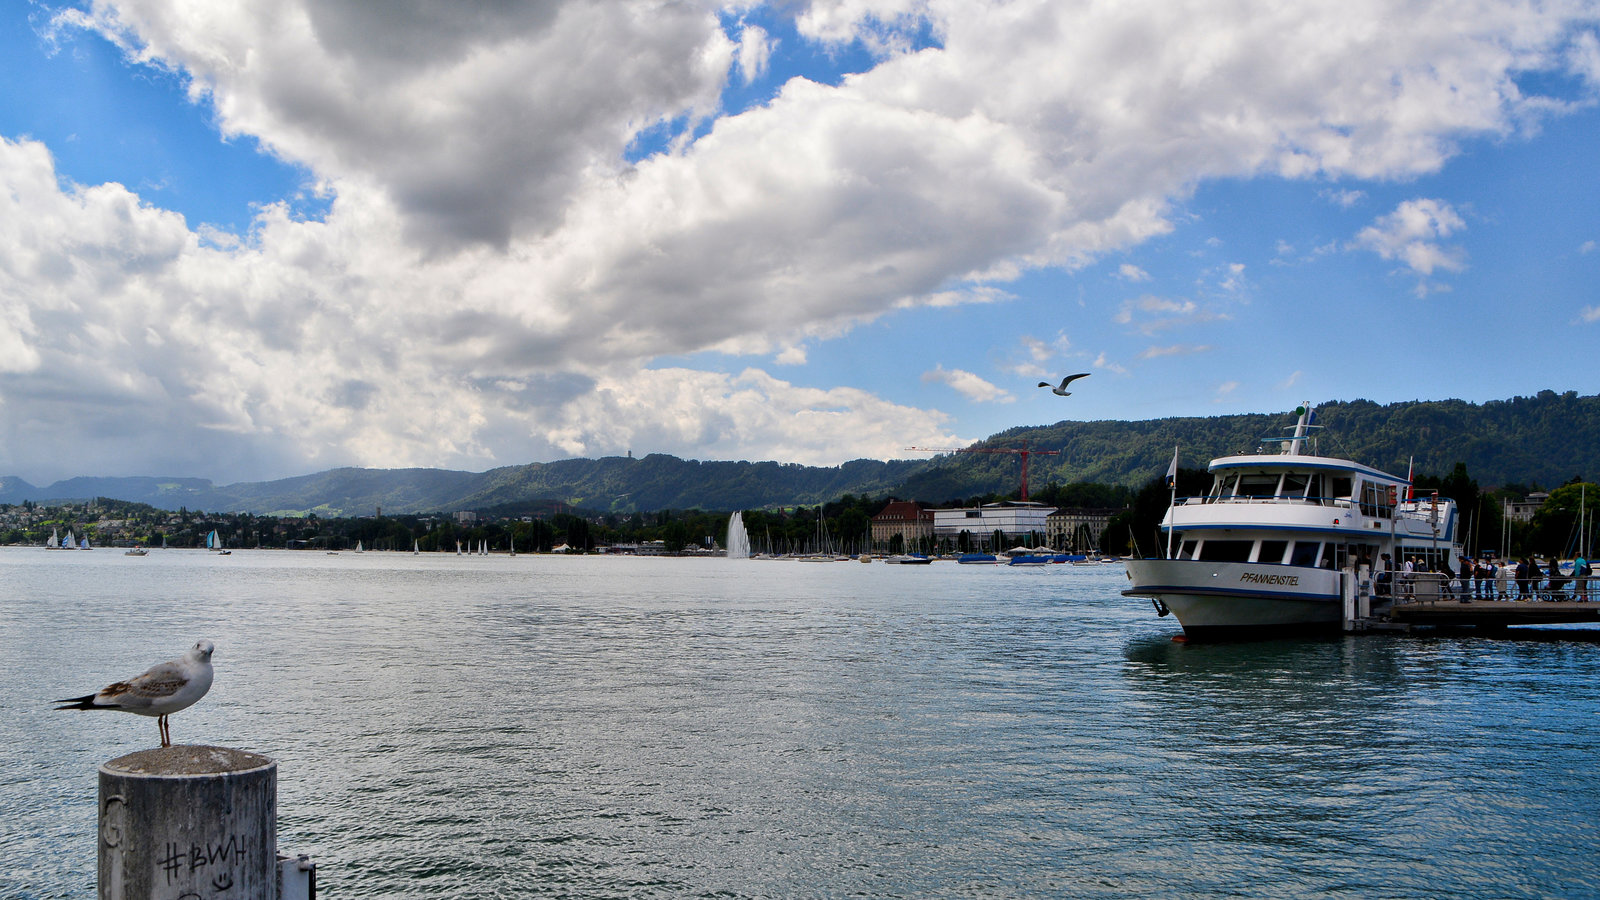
1071,378
164,689
158,684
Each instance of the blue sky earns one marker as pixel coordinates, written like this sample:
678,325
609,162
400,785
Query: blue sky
260,239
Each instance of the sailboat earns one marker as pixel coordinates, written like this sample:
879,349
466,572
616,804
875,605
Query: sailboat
416,549
214,543
69,542
824,551
359,548
458,548
55,541
513,543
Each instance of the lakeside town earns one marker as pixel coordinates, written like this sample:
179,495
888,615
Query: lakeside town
849,525
1511,520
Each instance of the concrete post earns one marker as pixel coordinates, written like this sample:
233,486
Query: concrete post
189,822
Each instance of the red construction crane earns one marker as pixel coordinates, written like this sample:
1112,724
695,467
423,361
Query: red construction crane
1024,452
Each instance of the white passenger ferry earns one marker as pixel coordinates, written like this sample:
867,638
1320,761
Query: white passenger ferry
1287,541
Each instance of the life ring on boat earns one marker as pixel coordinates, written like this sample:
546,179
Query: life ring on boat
1161,608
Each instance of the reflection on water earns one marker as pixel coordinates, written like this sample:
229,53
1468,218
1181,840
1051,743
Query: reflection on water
537,726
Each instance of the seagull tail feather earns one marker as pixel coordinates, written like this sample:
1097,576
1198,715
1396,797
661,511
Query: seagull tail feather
85,702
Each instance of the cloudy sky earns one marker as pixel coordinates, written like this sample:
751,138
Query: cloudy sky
245,239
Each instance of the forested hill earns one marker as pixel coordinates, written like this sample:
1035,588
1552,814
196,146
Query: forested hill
611,484
1543,440
1532,441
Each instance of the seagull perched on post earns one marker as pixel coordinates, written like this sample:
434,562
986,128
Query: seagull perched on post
1061,390
160,692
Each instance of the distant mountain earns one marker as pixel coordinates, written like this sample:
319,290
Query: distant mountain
614,484
1543,440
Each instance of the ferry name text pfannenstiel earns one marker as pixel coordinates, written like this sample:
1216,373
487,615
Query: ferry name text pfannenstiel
1260,578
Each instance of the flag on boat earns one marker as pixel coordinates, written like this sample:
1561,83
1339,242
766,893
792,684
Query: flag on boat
1172,470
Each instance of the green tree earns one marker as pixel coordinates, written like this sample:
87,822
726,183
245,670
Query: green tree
1554,531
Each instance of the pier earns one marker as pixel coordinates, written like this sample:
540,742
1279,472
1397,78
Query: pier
1456,613
1425,601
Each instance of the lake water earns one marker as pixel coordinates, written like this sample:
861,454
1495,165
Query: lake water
613,727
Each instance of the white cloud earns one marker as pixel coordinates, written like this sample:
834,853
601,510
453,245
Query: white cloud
1587,247
1294,377
1344,199
491,260
755,52
1131,272
748,416
791,356
1174,350
1224,389
968,385
1408,234
1103,362
1589,314
1151,314
1038,352
1231,279
479,125
1411,235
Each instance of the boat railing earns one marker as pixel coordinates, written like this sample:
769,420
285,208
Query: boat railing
1435,587
1333,502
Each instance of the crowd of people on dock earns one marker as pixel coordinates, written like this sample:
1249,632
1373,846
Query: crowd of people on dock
1526,579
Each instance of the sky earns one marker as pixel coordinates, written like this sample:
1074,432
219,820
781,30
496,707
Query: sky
249,239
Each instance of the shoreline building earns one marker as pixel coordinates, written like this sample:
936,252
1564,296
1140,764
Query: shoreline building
1523,510
1078,530
905,519
1015,520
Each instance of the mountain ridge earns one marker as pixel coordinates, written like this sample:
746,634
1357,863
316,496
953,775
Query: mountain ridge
1545,440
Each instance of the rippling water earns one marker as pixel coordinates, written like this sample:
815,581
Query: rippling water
592,727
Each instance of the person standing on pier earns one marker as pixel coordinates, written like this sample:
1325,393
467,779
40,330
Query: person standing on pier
1502,580
1557,582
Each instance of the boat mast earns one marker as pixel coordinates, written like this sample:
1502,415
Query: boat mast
1301,428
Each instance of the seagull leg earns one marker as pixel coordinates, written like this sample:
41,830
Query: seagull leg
166,736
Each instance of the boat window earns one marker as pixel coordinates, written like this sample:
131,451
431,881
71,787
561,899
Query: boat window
1229,483
1376,500
1226,551
1305,553
1272,551
1258,485
1342,486
1294,485
1186,550
1216,486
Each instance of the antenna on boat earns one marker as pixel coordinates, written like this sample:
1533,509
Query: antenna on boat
1304,411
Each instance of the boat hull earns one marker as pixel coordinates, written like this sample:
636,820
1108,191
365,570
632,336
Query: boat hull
1229,601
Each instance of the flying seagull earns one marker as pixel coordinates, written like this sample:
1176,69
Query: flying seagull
160,692
1061,390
